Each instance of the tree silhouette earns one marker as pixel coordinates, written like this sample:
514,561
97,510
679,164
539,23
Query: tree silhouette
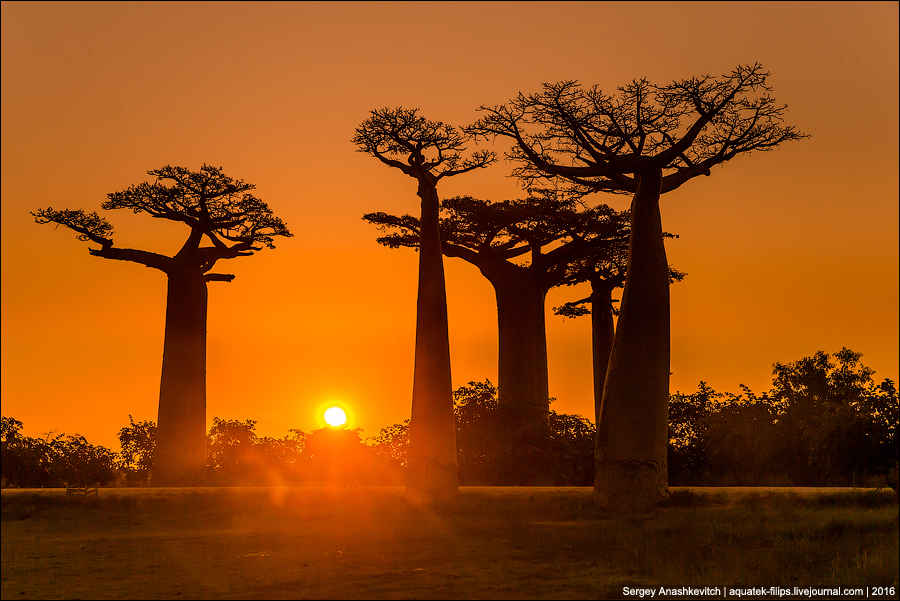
138,442
605,272
524,248
649,140
427,151
836,419
392,443
237,223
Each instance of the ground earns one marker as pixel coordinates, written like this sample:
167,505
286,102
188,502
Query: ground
497,543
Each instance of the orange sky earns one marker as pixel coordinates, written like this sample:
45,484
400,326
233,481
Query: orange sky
788,252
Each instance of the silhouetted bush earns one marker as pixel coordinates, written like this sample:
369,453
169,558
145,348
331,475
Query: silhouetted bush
54,461
825,422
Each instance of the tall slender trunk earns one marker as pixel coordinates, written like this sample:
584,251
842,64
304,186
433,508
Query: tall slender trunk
433,471
630,457
180,455
524,391
602,335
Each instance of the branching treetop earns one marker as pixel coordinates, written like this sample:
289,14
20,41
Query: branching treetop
209,202
599,142
553,233
428,147
605,275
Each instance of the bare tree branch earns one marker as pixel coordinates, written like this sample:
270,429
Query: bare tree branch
597,142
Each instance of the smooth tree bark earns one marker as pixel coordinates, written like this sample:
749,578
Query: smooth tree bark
603,332
630,463
524,248
648,141
522,375
604,274
214,206
604,278
432,462
426,151
180,456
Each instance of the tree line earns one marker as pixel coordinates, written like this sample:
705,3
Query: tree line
824,422
568,142
235,455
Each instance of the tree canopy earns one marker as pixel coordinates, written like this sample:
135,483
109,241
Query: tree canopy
517,232
209,202
598,142
429,147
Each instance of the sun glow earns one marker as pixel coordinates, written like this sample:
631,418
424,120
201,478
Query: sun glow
335,417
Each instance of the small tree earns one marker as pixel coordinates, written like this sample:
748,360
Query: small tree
77,462
483,455
230,448
837,423
392,443
427,151
648,141
138,442
21,457
211,205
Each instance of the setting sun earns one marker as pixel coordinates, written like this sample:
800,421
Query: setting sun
335,417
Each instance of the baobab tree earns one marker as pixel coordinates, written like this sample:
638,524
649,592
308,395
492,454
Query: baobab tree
605,273
426,151
211,205
647,141
524,248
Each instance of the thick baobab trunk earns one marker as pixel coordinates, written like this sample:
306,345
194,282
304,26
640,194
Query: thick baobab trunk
524,397
180,455
602,335
630,456
433,472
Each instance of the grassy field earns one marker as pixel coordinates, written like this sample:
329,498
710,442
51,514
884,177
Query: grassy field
495,543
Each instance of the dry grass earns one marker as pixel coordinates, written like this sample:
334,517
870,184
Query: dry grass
247,543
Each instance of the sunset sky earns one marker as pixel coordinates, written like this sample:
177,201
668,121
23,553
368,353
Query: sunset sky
788,252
